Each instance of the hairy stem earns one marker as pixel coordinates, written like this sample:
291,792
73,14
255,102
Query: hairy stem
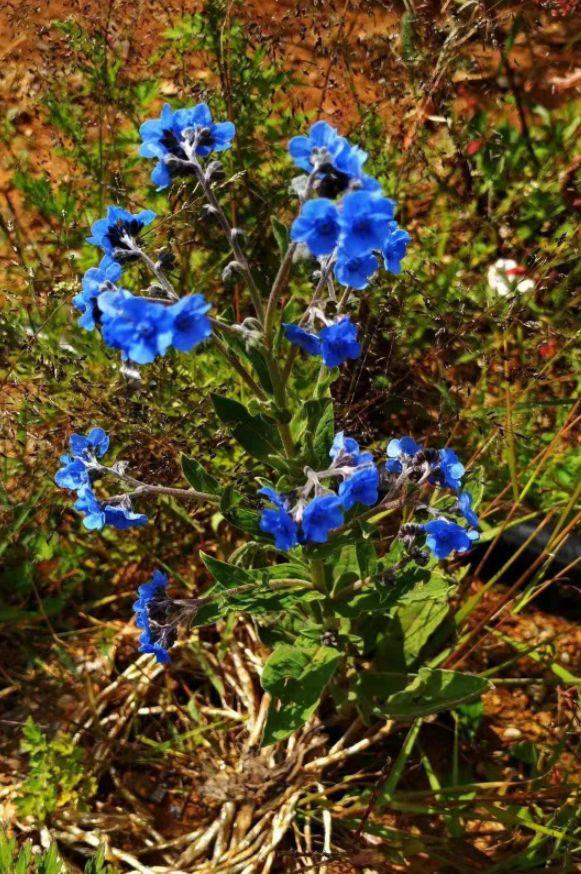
229,232
281,280
159,275
140,489
235,363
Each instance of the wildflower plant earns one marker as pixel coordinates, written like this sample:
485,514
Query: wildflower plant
356,535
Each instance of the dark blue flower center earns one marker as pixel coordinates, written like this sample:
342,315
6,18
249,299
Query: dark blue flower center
145,329
117,232
327,227
333,182
362,227
173,145
183,321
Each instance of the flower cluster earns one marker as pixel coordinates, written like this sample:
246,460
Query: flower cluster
441,468
309,515
154,614
77,474
354,232
141,328
335,343
299,518
359,227
350,228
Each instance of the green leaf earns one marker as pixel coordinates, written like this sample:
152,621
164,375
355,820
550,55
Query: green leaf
414,618
324,433
280,234
434,690
260,598
227,576
244,519
345,567
371,689
251,353
256,434
198,478
97,864
50,862
366,558
365,603
296,678
230,498
258,361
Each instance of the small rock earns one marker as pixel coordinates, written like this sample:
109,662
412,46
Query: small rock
168,88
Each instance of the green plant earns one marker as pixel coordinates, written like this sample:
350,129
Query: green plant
57,775
23,860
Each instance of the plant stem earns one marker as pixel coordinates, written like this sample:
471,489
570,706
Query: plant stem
390,785
231,236
141,488
327,614
325,270
282,277
159,275
238,367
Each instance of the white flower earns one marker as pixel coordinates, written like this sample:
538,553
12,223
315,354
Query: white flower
503,277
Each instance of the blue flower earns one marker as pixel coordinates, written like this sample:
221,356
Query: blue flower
403,446
280,524
98,513
449,471
355,272
190,322
339,342
346,450
95,280
275,497
364,222
443,537
349,160
163,138
140,328
123,517
322,144
93,509
339,164
317,226
394,247
465,508
151,611
360,488
95,443
321,516
308,342
118,233
73,475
